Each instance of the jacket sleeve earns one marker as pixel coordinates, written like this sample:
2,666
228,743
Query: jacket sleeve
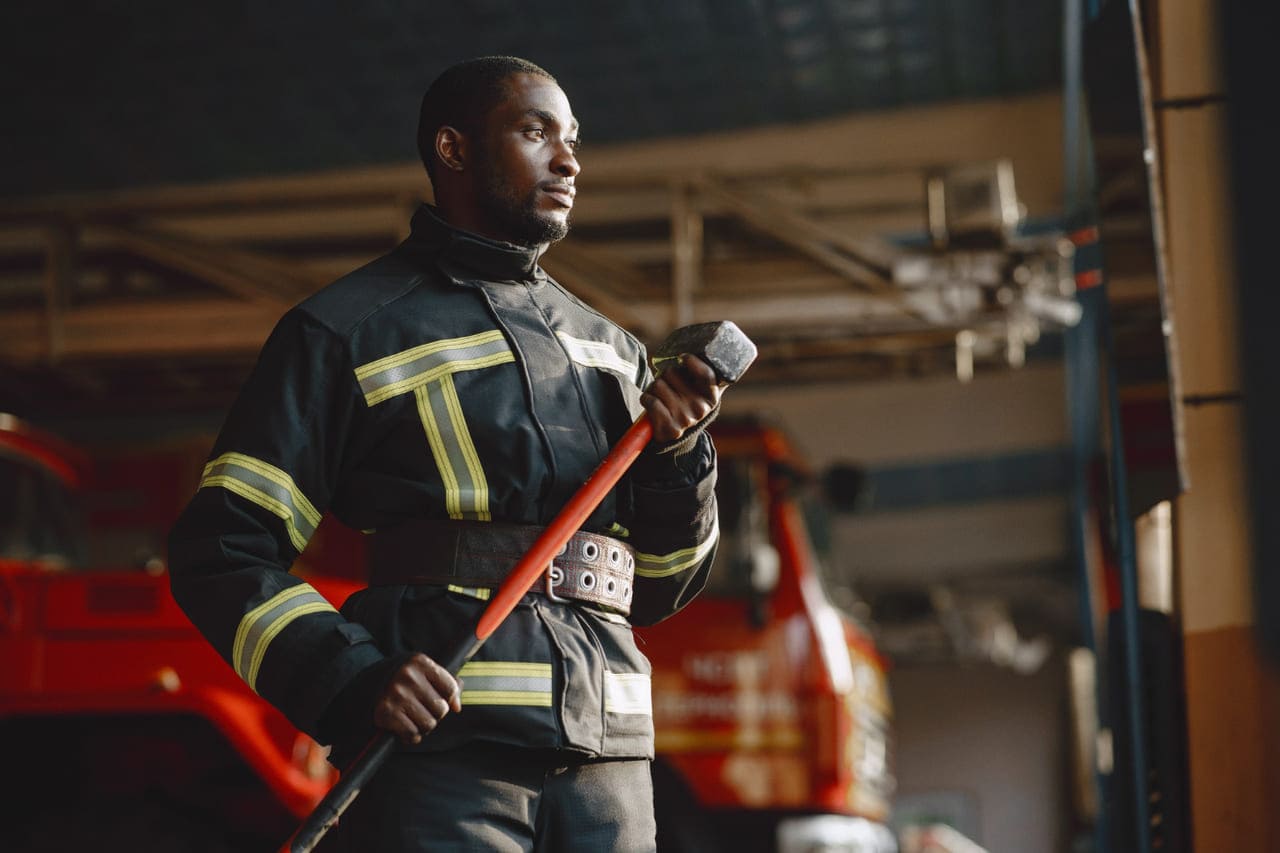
269,479
673,522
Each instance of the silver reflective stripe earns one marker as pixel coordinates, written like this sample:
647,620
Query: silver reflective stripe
627,693
506,683
466,491
403,372
597,354
665,565
268,487
264,623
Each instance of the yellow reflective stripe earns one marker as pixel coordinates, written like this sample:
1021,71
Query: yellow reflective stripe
406,385
466,491
439,452
402,358
263,623
275,628
462,439
247,621
597,354
263,500
665,565
406,371
427,371
627,693
516,669
480,592
275,475
506,683
505,697
268,487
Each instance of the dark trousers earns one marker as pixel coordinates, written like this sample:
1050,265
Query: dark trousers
502,798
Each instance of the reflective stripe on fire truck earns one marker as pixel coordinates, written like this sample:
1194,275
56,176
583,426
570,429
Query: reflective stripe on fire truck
506,683
427,371
665,565
264,623
627,693
268,487
668,739
597,354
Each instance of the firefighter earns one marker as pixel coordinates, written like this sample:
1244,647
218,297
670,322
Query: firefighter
447,399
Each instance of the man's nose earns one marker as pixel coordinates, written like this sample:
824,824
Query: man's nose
565,163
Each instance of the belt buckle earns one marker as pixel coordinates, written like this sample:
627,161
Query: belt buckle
555,577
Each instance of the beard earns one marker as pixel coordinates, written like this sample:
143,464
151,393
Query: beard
517,216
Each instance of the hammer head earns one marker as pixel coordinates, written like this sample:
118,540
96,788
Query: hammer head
720,344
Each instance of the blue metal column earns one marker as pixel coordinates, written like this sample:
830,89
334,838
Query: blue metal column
1084,345
1081,367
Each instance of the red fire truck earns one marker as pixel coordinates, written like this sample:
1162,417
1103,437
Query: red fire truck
124,730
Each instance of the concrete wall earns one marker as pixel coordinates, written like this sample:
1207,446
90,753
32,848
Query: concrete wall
978,733
879,424
994,735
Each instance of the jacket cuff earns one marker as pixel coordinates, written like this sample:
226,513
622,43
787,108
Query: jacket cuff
680,502
317,698
683,463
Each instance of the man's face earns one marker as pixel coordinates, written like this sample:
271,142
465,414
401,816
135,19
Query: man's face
527,166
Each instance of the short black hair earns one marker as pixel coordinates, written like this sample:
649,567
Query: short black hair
463,95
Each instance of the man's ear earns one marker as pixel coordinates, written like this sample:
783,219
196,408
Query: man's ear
451,148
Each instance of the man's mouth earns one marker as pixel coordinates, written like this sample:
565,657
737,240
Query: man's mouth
563,193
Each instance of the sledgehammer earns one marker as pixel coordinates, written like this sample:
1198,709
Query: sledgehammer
729,352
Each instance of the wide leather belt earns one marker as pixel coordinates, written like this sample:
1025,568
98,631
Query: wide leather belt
591,567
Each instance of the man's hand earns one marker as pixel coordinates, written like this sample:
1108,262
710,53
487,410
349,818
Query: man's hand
681,396
416,698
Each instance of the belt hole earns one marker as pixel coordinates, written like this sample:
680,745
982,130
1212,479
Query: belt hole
615,556
626,593
590,551
610,587
587,581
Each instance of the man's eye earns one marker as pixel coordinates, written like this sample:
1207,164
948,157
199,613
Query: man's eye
535,132
574,144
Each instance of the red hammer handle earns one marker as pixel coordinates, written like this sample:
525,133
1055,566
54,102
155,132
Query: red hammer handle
522,578
564,525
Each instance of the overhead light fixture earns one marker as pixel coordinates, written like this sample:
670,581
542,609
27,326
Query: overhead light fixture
999,289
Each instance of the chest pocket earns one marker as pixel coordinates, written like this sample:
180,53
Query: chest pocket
603,356
427,373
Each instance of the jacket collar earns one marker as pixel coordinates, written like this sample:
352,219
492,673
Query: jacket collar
471,254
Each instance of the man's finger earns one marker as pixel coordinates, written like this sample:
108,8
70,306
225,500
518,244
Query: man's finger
664,424
445,686
397,720
698,372
685,406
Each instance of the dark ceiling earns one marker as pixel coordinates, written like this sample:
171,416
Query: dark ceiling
105,96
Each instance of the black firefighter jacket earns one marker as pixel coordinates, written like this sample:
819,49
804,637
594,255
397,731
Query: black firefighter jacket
449,379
